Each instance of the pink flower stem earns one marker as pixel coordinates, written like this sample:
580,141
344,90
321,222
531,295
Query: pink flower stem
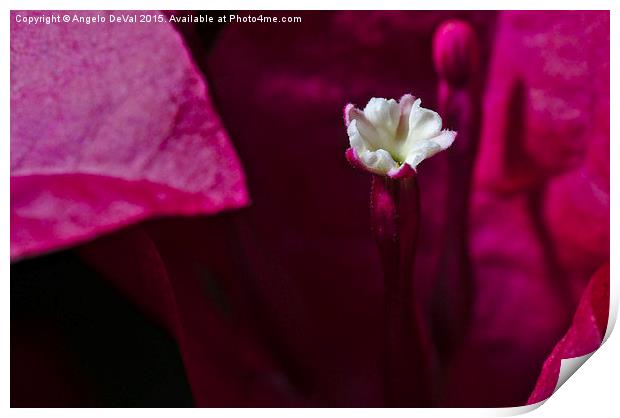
395,218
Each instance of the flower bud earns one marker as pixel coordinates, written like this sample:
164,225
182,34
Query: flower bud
455,52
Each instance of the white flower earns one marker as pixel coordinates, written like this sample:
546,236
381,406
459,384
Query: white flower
391,138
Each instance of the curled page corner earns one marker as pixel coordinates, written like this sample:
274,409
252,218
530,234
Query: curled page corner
569,366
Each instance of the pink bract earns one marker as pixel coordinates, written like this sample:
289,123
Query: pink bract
110,124
583,337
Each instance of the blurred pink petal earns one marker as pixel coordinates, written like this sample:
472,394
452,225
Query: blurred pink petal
110,124
583,337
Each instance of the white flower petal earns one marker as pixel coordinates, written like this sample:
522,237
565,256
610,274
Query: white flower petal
384,115
355,138
379,161
358,133
360,125
444,139
422,151
423,123
405,104
426,149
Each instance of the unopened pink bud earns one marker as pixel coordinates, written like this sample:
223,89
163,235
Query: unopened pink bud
455,52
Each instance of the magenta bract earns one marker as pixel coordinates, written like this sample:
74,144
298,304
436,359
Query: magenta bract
110,124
